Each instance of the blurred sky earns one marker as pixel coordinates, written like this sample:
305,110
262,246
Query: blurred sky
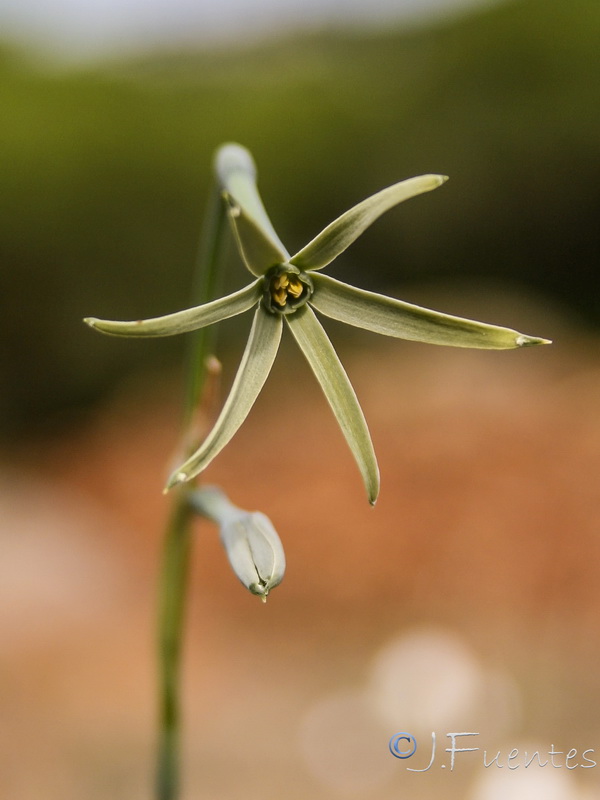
78,28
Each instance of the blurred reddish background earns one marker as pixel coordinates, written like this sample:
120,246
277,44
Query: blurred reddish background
468,599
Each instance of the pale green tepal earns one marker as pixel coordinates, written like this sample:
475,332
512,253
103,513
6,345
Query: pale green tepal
287,289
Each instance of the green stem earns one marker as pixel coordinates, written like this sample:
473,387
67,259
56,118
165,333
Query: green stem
177,546
210,257
174,577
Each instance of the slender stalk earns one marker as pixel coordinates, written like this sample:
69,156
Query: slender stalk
210,257
175,568
177,546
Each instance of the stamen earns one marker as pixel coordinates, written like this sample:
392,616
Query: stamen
286,289
295,288
280,297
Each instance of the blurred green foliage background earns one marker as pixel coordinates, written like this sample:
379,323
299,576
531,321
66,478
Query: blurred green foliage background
105,170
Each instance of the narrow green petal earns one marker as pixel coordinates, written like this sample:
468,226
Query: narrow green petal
253,371
338,390
337,236
381,314
182,321
257,250
259,244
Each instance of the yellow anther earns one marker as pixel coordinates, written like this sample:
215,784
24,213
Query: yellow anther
286,290
280,297
295,288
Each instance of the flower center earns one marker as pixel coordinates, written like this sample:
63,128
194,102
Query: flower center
286,289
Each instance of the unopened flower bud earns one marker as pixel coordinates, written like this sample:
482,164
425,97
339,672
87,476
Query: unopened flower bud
251,542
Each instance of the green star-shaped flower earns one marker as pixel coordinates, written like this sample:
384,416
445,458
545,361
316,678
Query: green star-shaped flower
287,289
